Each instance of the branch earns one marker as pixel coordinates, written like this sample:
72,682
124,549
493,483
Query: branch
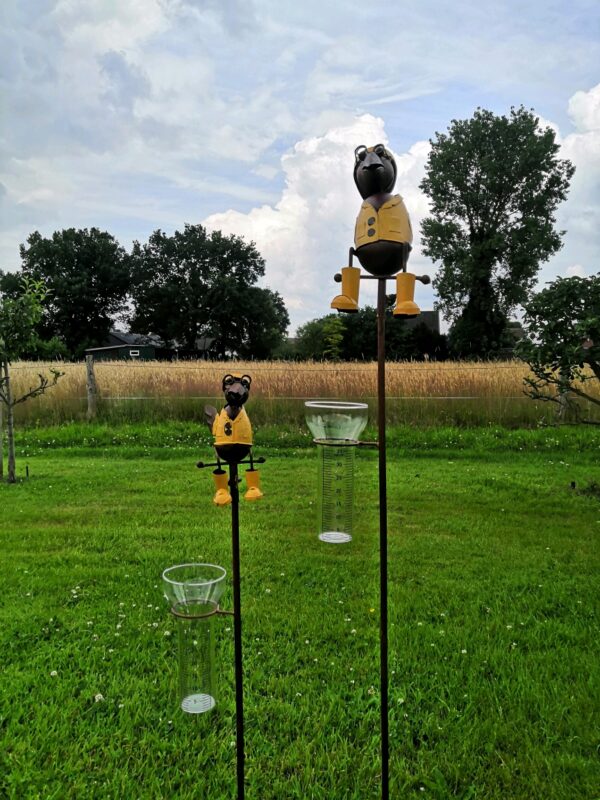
562,397
595,367
44,384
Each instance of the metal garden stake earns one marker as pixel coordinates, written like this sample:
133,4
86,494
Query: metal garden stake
233,445
382,239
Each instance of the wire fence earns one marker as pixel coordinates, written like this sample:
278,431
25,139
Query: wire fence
453,393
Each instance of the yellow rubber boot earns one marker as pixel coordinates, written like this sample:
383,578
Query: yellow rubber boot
348,299
253,484
405,292
222,496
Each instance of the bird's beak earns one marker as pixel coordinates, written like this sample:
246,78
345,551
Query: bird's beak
372,162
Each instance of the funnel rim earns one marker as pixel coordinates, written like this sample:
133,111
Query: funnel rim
212,581
335,405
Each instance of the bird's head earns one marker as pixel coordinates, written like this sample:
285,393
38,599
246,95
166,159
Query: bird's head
374,170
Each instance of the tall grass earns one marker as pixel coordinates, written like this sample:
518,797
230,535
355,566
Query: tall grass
421,393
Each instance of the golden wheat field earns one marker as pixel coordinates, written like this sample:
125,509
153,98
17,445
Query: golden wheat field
281,380
417,392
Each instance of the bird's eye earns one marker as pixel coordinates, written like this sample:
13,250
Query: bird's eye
360,153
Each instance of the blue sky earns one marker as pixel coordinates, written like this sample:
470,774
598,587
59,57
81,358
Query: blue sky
131,115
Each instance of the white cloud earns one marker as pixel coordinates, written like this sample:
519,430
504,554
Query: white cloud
580,214
584,109
306,235
576,270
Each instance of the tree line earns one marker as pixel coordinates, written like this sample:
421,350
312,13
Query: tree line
180,288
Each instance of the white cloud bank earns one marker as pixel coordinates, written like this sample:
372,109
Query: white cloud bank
306,235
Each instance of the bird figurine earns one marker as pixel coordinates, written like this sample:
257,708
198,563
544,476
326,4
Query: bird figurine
232,432
382,234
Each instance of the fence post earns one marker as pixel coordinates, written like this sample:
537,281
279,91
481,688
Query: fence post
92,388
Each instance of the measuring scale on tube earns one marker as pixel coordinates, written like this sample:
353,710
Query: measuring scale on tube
336,426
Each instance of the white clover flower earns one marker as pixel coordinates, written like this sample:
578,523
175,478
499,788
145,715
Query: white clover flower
463,651
99,697
53,674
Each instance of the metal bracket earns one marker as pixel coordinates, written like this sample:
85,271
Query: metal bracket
201,464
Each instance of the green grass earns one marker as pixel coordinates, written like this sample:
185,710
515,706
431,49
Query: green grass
494,601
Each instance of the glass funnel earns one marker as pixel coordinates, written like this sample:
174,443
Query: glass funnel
336,419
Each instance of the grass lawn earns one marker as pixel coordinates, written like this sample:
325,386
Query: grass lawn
494,606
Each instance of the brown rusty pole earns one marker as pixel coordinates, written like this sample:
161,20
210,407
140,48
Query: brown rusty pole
383,554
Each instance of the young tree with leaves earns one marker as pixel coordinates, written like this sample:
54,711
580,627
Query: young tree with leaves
18,319
562,347
494,183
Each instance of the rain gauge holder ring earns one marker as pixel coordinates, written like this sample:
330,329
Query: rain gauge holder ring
336,426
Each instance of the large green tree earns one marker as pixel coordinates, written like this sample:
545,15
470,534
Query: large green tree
87,276
194,284
562,345
494,183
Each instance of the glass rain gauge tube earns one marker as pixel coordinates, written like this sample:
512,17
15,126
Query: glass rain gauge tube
193,592
336,427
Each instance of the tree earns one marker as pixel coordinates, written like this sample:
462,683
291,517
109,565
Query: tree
18,318
194,284
353,337
87,276
562,346
494,184
309,340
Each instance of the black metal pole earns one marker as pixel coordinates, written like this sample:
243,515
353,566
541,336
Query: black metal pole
383,555
237,627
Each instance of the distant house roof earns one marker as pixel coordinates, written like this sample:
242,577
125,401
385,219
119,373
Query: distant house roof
116,338
431,319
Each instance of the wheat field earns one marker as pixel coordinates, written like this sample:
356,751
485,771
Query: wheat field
446,392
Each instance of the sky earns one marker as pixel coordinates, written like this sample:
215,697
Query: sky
243,115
